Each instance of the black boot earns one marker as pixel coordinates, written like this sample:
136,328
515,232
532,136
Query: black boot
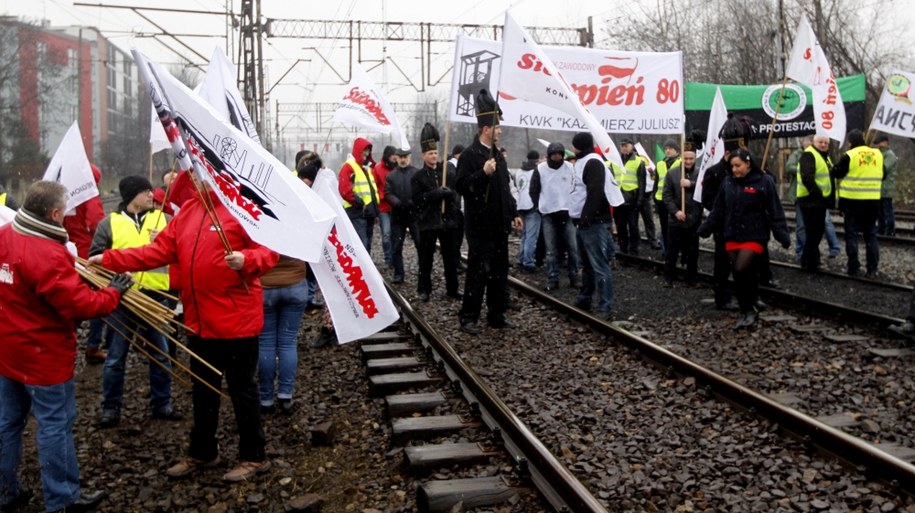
325,337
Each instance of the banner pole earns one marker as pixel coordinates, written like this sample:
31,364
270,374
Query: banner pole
445,161
682,171
778,106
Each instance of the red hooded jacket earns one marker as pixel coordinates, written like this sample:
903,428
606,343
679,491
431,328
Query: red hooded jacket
345,177
41,298
81,226
216,304
381,175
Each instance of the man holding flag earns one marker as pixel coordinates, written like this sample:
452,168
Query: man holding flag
490,213
223,302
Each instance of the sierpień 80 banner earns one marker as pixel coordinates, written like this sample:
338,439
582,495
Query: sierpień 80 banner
758,103
628,92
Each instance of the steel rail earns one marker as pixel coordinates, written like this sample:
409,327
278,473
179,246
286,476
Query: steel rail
559,486
811,431
792,300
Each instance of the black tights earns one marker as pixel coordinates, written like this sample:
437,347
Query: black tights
745,266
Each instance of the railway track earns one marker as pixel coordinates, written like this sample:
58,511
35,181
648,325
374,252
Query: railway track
879,462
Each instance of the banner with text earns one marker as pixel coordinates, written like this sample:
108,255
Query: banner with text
757,102
895,113
628,92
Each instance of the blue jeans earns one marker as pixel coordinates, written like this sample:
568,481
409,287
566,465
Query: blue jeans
596,273
96,329
385,223
531,220
556,225
611,245
365,226
311,287
800,235
160,381
54,407
283,309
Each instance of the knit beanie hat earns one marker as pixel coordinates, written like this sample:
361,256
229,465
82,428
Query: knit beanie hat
583,141
130,186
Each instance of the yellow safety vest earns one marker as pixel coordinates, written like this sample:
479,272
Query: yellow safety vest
630,179
822,174
363,185
124,234
865,174
3,199
662,174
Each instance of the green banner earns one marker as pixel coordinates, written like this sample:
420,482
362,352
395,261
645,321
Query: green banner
758,103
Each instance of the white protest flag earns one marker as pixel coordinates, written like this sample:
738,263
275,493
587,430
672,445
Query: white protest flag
714,143
649,165
895,113
808,65
70,166
544,85
6,215
157,139
353,289
364,105
220,91
271,204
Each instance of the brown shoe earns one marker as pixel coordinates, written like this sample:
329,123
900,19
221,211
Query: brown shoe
246,470
188,466
94,355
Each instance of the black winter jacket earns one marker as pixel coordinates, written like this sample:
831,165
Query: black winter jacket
428,196
671,197
398,192
489,207
746,210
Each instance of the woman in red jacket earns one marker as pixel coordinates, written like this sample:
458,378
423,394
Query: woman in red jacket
223,306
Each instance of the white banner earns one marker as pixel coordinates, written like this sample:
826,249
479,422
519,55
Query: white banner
808,65
363,104
353,289
544,87
70,166
157,139
274,207
6,215
713,148
221,92
628,92
894,113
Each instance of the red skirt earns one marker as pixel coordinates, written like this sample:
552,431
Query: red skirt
736,246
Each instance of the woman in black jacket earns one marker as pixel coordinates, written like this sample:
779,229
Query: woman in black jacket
746,210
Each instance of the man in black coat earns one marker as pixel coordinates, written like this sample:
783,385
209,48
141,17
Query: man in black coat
436,217
682,224
398,192
490,212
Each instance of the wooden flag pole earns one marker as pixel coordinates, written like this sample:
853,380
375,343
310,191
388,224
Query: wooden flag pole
778,106
682,172
445,161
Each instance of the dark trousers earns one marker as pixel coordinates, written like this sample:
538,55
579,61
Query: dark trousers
487,270
721,272
861,217
458,236
626,218
399,229
645,212
814,228
427,239
663,220
886,222
681,239
237,360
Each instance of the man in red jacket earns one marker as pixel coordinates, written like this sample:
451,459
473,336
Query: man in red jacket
356,183
40,301
224,308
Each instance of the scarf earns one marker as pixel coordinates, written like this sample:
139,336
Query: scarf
27,223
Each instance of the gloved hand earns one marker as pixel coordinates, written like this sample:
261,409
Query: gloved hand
121,282
446,192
